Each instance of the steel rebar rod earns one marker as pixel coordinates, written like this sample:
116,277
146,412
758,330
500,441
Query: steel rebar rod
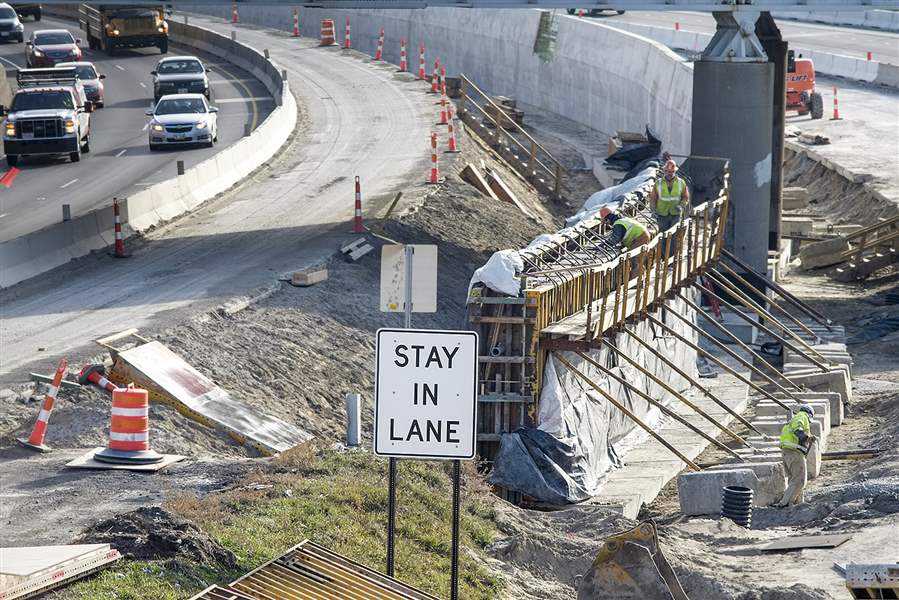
692,381
665,409
743,316
718,361
751,304
676,394
733,354
733,337
629,414
780,290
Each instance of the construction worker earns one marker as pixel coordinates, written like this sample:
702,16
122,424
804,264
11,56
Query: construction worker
669,198
796,440
627,231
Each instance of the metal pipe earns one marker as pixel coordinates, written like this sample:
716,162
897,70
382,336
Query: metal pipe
734,355
353,420
764,328
629,414
751,304
731,336
660,406
671,364
676,394
780,290
717,361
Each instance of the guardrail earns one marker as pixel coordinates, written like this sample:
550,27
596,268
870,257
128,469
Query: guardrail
29,255
534,167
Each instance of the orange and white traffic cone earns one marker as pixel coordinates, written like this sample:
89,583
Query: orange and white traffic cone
421,62
380,51
119,237
404,66
36,440
677,25
435,173
95,374
449,105
451,143
296,22
129,429
435,77
442,120
836,106
358,227
235,16
347,44
869,55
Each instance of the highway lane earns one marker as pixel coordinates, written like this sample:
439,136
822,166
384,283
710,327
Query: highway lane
120,161
850,41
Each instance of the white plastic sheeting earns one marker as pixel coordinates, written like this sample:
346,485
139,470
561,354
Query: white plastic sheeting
500,273
612,196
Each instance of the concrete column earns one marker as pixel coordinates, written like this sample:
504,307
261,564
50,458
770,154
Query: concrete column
732,118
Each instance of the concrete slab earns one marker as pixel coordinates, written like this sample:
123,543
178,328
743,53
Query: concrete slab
87,461
27,571
835,380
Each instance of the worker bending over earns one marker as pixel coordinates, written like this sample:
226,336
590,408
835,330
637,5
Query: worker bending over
670,196
627,231
796,440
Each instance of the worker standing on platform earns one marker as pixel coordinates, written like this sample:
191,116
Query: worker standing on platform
669,198
627,231
796,440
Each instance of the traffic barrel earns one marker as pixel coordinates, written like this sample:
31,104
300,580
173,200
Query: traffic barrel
836,106
296,22
119,238
357,219
435,77
347,44
327,37
129,429
435,173
451,143
380,51
95,374
870,56
404,67
235,16
421,62
36,440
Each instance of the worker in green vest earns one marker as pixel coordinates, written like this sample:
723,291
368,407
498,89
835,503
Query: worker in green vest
627,231
796,440
669,198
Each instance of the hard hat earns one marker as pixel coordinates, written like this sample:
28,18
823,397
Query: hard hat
604,212
670,162
807,409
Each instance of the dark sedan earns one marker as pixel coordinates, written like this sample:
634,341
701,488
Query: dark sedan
47,47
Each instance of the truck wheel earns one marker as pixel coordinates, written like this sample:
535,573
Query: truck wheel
164,46
75,156
817,105
38,14
570,11
110,48
12,160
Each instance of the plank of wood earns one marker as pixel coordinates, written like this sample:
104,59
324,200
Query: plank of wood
471,175
502,191
807,541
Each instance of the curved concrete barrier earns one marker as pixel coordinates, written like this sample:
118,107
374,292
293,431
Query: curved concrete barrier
887,20
35,253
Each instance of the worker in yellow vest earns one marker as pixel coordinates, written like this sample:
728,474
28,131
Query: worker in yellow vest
796,440
627,231
669,198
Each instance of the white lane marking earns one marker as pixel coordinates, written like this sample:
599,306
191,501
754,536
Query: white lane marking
250,99
121,153
147,124
3,215
65,185
120,67
9,62
143,85
145,183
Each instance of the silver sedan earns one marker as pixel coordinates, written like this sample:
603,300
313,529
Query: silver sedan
182,119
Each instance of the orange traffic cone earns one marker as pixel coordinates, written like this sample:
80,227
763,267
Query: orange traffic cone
36,440
95,374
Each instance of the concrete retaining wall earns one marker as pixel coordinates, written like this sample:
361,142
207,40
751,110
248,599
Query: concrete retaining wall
5,92
887,20
598,76
35,253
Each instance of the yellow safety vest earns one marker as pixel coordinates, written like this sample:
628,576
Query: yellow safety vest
668,201
632,230
788,437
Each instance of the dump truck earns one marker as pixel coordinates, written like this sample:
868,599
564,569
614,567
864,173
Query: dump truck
801,93
110,27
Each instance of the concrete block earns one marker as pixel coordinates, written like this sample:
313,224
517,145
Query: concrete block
743,330
794,198
771,478
834,400
836,380
823,254
308,277
798,226
699,493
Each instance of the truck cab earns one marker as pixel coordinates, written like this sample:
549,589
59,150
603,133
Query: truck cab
110,27
49,115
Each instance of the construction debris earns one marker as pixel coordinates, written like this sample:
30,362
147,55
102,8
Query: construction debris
814,139
621,138
472,175
873,580
33,570
356,249
503,111
794,198
799,542
824,253
308,277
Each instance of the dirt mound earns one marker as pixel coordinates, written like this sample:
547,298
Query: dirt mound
152,533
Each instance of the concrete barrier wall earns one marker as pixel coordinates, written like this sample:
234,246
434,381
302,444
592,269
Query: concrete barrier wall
598,76
5,88
35,253
887,20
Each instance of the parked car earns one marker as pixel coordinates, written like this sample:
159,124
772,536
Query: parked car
90,79
180,75
593,12
29,10
46,47
181,119
11,28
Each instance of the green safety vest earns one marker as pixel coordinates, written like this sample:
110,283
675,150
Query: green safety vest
788,437
668,202
632,230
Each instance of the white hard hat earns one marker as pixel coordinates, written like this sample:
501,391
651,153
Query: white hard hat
808,409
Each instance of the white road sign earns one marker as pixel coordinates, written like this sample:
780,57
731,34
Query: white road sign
426,393
424,278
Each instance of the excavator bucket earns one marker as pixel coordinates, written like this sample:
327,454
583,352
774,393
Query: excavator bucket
631,566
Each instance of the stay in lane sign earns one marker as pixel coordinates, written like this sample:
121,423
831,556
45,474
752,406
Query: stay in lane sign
426,393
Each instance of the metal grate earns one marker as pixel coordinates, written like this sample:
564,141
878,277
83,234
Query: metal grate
40,128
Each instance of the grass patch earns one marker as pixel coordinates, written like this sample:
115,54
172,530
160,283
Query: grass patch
338,500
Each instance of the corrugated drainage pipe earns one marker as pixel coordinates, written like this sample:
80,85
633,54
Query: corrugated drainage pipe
736,504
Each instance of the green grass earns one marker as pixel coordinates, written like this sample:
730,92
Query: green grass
338,500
